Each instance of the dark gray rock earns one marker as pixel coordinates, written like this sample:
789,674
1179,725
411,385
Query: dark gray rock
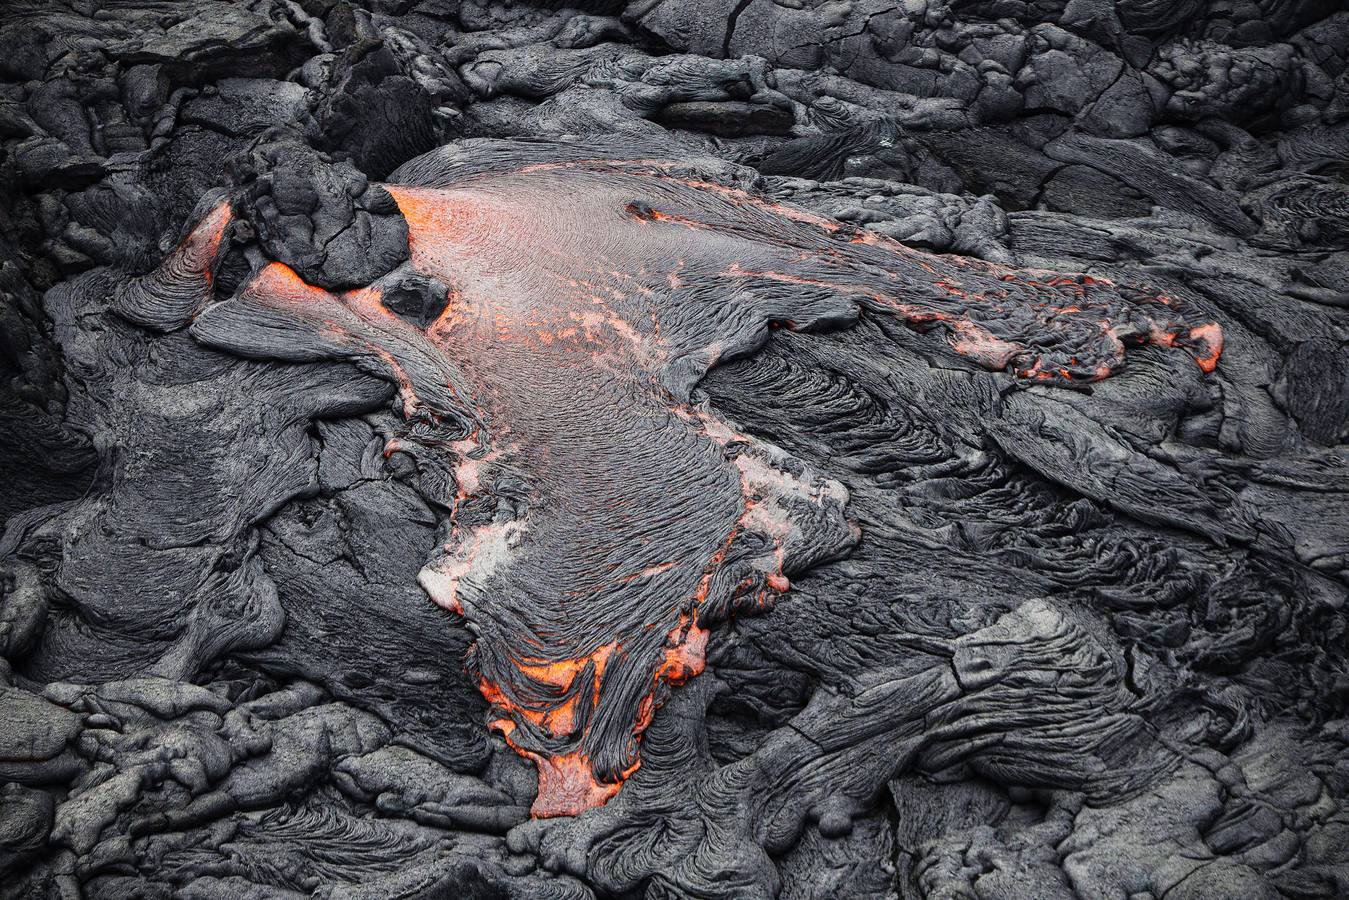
803,521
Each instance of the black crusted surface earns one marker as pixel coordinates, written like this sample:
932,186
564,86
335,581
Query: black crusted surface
919,575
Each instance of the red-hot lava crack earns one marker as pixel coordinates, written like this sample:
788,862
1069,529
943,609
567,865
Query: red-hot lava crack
600,520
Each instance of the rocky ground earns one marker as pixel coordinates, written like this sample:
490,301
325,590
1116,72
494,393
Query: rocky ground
723,448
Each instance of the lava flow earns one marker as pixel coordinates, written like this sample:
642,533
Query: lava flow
600,519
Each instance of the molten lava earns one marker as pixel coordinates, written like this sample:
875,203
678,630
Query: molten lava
601,520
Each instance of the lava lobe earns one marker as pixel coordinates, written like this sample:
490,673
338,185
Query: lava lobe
600,518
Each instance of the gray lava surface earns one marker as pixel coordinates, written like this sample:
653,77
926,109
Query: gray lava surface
674,449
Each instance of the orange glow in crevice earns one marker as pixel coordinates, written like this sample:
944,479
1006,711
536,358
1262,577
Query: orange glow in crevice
567,781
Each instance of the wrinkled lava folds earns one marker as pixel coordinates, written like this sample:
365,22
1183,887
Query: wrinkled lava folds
600,519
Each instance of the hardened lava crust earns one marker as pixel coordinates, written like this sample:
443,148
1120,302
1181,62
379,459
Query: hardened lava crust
713,449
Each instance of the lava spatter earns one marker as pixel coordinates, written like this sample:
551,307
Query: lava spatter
602,522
